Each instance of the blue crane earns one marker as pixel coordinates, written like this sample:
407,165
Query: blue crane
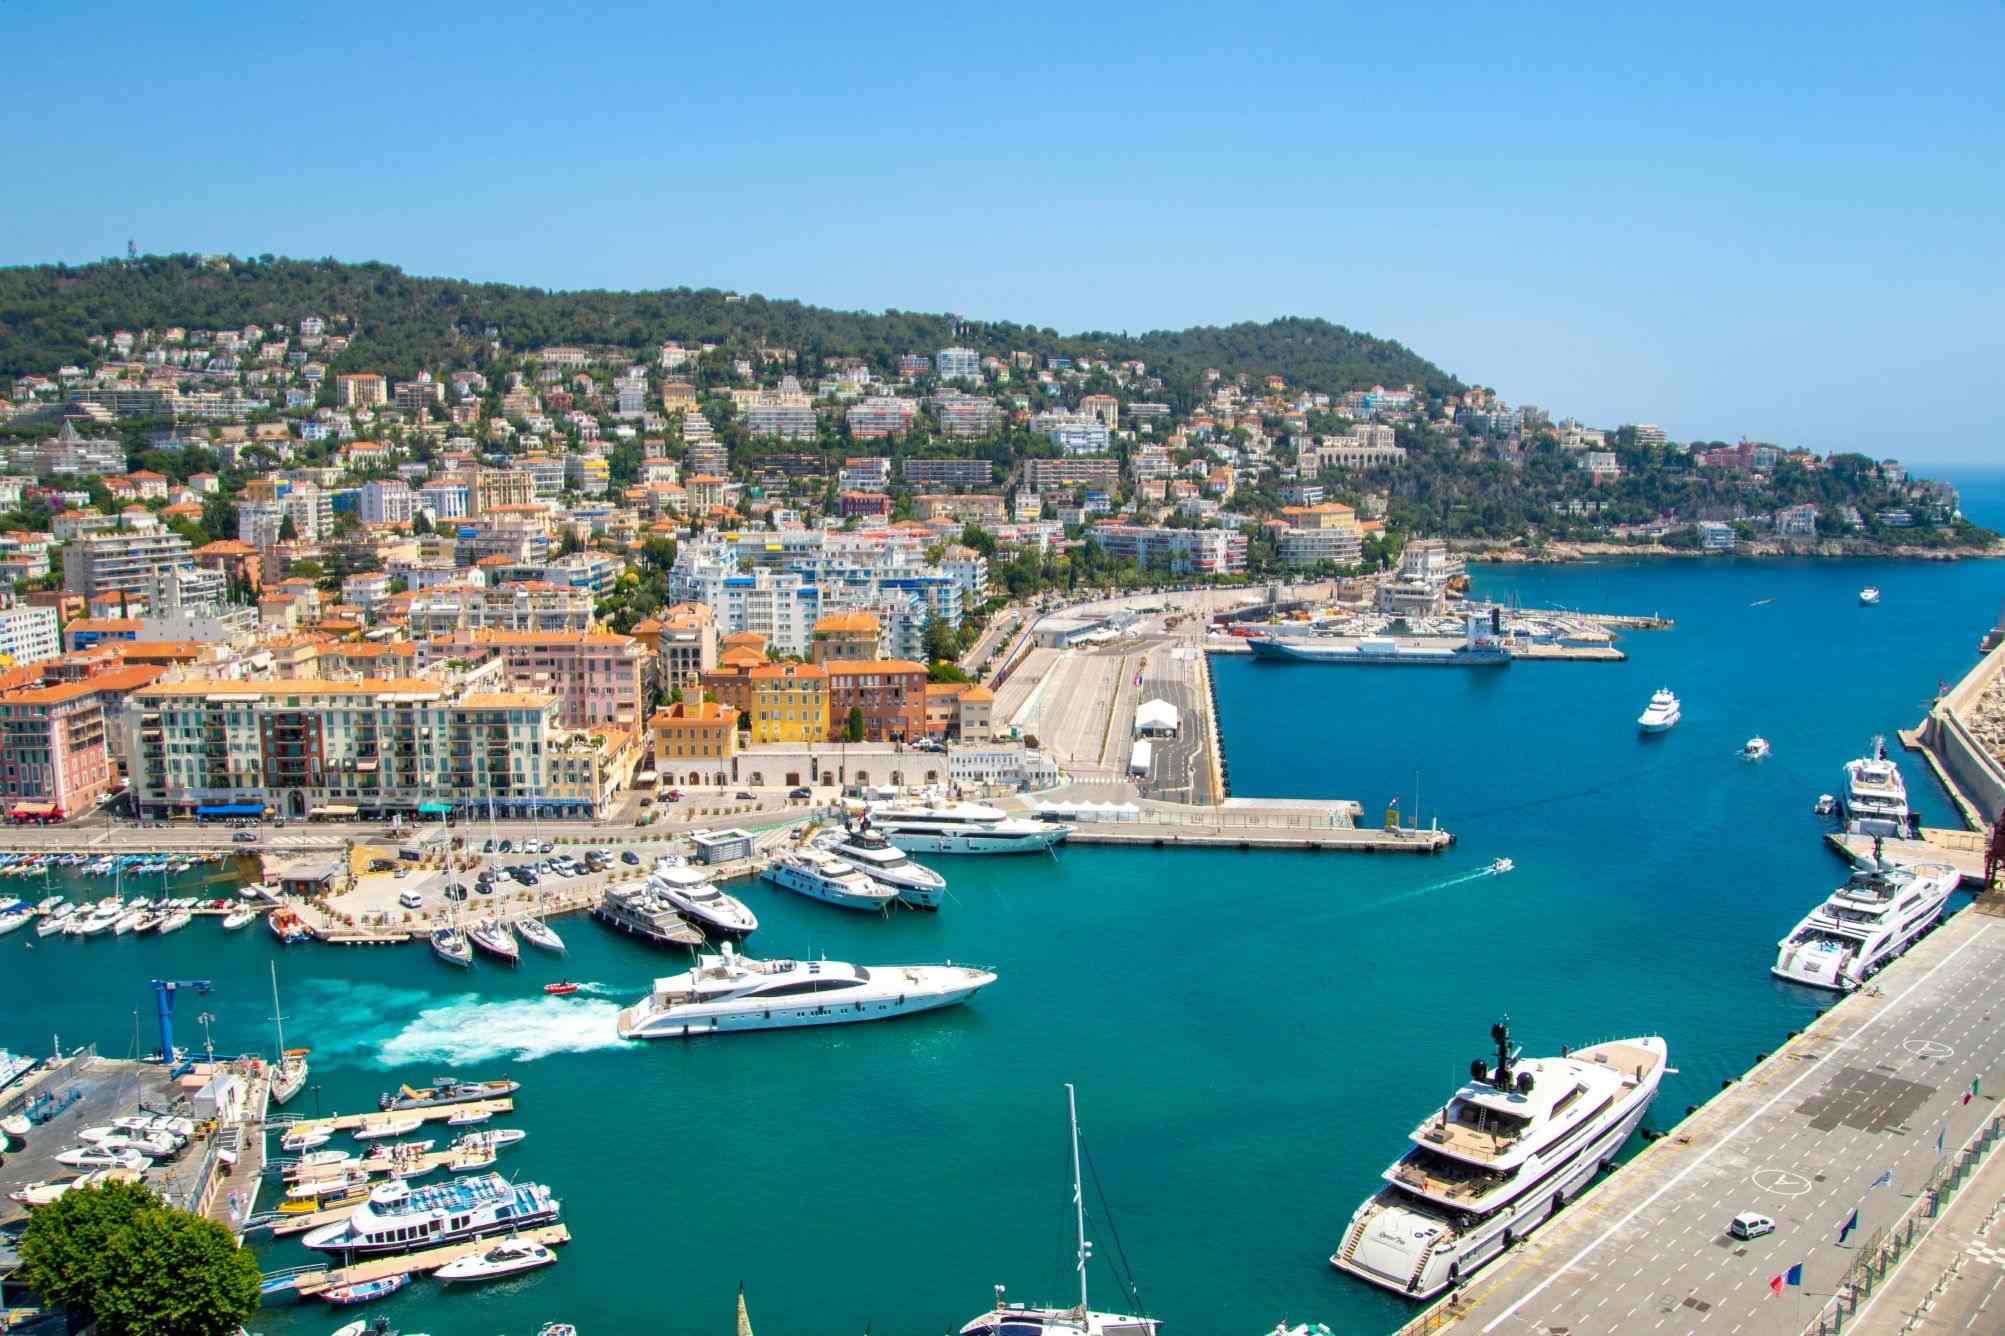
163,1006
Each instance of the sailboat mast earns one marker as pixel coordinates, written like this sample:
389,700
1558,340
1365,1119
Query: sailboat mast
278,1017
1078,1193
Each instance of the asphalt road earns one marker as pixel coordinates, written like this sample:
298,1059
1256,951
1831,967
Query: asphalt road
1803,1141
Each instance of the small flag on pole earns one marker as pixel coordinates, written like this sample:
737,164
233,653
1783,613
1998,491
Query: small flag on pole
1939,1133
1793,1276
1971,1093
1886,1178
1851,1223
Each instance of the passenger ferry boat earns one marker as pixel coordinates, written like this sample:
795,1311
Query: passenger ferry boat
646,913
1871,919
399,1218
1875,801
1661,715
1516,1143
820,877
697,899
963,828
734,992
864,848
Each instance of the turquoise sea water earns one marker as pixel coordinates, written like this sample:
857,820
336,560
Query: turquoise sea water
1252,1034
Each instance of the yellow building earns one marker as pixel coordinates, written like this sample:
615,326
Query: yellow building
694,741
789,703
845,635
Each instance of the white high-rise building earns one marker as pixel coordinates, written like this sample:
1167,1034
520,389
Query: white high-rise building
388,501
28,634
958,364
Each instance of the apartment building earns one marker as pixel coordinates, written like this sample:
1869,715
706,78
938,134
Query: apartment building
28,635
514,606
790,702
363,390
387,501
964,415
493,488
129,563
1180,551
446,498
958,364
949,472
304,747
881,415
1326,532
1074,433
846,635
595,676
1042,474
887,695
683,641
694,742
960,712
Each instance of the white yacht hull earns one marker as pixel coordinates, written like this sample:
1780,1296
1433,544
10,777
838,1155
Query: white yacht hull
960,842
1378,1244
1660,724
815,887
689,1021
1819,966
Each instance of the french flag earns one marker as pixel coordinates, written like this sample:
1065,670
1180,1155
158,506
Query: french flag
1793,1276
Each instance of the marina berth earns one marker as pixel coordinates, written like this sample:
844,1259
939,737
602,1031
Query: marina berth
962,828
830,880
698,899
399,1218
1875,800
1517,1142
729,992
1869,921
866,849
1661,715
643,912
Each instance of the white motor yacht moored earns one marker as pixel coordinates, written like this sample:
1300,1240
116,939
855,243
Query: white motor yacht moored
820,877
1876,915
962,828
698,899
1875,800
865,848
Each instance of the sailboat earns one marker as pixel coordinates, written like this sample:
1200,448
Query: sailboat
289,1074
1008,1319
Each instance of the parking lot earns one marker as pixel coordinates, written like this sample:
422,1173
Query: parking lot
414,895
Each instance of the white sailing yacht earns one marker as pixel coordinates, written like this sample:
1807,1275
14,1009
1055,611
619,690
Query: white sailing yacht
1008,1319
289,1069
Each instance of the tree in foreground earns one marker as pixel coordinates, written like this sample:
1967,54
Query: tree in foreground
117,1255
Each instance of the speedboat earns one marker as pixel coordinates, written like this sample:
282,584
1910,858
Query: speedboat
336,1184
400,1218
1826,805
694,896
311,1139
100,1157
1661,714
1875,801
402,1150
963,828
323,1160
1875,916
469,1117
239,918
18,918
387,1128
450,945
733,992
447,1090
820,877
562,988
1008,1319
1517,1141
1869,595
504,1259
540,935
865,848
175,920
363,1291
556,1329
1500,866
1754,749
497,939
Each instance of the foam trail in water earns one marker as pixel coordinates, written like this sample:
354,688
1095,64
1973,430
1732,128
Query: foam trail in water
612,990
466,1030
342,1019
1418,891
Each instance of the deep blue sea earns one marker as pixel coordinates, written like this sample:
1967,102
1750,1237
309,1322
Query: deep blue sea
1252,1035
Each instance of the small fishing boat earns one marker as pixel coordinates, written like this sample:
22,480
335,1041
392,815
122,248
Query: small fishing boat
469,1118
1869,595
288,927
310,1139
1826,805
15,919
1499,867
363,1291
562,988
15,1125
556,1329
1754,749
497,1138
504,1259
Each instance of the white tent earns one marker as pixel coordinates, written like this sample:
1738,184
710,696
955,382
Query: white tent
1157,716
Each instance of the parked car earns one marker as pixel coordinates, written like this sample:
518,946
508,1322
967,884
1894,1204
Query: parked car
745,797
505,847
630,858
1749,1225
488,847
245,837
402,873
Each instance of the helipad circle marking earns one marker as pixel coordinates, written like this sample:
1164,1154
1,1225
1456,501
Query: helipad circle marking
1928,1048
1782,1182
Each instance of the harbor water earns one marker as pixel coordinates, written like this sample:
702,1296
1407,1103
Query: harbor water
1252,1034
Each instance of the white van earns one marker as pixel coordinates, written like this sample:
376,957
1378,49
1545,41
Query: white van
411,900
1748,1225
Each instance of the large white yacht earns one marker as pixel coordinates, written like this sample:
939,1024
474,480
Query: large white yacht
1865,923
864,847
1516,1143
1876,798
733,992
962,828
697,899
820,877
399,1218
1661,714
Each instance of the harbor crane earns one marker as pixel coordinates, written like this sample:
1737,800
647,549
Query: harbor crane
163,1007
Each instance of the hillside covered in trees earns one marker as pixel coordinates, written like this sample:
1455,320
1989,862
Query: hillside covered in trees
405,324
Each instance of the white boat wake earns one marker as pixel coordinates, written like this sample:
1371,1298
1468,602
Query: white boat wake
466,1030
1480,874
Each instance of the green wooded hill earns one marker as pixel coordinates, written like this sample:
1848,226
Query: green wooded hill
403,324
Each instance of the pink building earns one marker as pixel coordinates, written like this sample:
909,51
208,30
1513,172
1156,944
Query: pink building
596,676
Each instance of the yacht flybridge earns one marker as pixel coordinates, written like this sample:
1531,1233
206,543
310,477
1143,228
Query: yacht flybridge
697,899
864,848
1518,1141
1661,714
1876,798
1865,923
962,828
733,992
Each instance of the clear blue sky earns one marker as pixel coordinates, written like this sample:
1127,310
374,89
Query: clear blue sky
1779,221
